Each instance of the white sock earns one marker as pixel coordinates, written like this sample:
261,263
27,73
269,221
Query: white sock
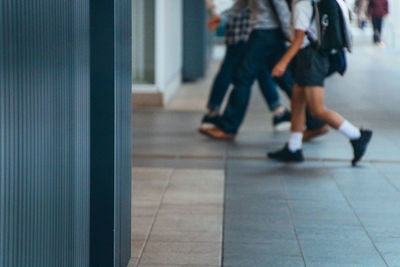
349,130
295,141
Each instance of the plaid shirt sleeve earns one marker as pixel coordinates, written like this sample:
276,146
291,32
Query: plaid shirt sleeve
238,27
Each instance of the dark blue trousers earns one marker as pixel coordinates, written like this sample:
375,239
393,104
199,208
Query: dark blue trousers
264,48
225,76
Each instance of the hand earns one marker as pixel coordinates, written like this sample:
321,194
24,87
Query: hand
214,22
279,69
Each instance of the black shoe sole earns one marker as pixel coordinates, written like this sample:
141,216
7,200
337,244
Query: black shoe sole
368,139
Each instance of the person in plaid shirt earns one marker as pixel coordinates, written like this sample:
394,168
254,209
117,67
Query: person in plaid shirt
237,32
238,27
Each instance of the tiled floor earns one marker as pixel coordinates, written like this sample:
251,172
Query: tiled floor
177,217
320,213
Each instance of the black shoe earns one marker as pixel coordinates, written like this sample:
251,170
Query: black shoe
285,155
360,145
209,121
281,122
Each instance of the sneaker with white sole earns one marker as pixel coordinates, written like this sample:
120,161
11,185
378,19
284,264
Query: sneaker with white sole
281,122
209,121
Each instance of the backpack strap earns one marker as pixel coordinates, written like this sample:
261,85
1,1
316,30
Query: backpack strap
310,39
274,10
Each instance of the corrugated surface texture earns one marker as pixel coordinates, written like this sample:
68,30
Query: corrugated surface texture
123,68
44,133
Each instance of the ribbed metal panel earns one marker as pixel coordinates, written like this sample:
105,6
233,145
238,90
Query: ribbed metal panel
44,133
123,68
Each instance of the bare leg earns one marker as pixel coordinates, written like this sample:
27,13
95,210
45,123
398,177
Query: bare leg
315,101
292,152
314,98
298,106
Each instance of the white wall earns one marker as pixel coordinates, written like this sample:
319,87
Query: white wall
392,23
168,44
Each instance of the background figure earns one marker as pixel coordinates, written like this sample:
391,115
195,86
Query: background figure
237,33
378,9
265,46
361,9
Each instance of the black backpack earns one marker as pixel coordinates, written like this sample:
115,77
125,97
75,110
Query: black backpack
331,26
333,34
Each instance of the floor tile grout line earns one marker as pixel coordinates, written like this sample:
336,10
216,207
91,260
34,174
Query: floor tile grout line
292,220
359,220
225,159
176,241
155,217
389,181
244,158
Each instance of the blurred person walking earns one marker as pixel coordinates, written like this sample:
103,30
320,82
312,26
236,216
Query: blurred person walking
266,45
361,9
378,9
314,54
237,31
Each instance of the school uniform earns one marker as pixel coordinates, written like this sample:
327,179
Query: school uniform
311,67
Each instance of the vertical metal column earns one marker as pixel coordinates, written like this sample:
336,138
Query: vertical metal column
111,80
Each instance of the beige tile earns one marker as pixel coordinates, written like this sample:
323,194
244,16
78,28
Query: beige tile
151,189
181,253
193,209
151,172
150,195
137,248
141,227
193,223
133,262
149,184
187,229
163,265
145,208
193,186
181,236
211,178
211,174
189,198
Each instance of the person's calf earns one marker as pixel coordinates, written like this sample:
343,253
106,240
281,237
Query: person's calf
309,134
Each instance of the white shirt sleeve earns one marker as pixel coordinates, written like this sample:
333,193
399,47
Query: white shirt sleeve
302,15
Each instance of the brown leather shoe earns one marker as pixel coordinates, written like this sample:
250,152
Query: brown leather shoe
310,134
217,133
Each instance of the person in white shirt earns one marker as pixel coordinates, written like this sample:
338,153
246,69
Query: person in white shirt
311,69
